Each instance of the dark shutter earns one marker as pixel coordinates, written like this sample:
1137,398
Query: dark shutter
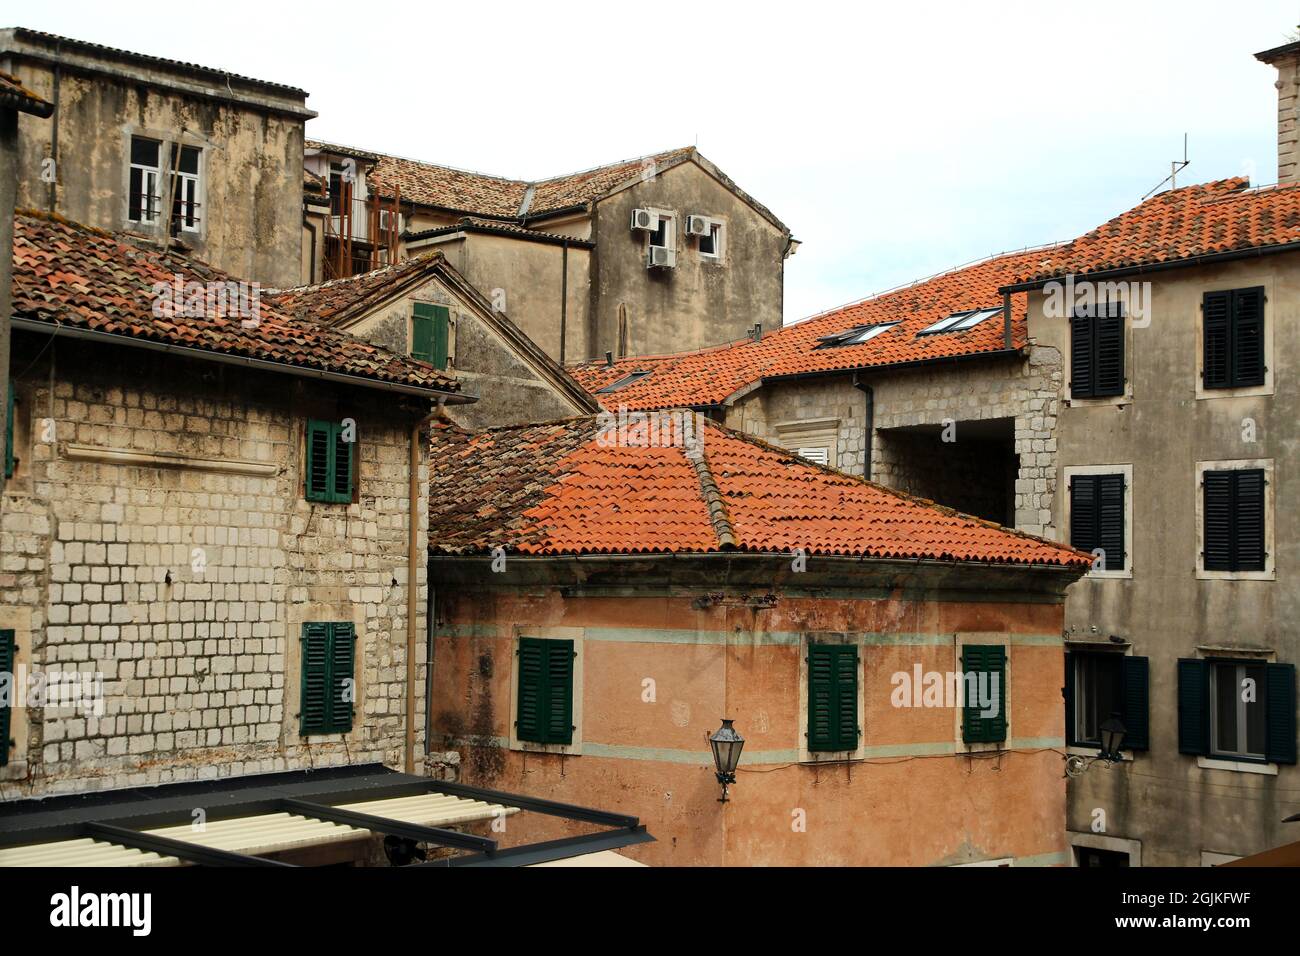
1097,517
1067,692
832,697
1081,350
1193,706
1216,516
1108,368
1279,698
422,332
991,660
1216,311
532,660
544,712
8,652
342,680
559,692
1248,533
9,432
1248,337
441,335
1136,702
342,466
1233,517
1083,512
315,704
319,478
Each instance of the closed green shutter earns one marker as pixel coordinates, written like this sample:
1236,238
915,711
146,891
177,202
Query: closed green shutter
1097,352
1232,516
1248,337
832,697
330,468
1067,692
990,660
1097,518
1136,700
9,432
545,697
431,333
1280,722
8,652
1193,706
328,678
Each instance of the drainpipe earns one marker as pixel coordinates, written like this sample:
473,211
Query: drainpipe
53,198
310,226
868,422
412,576
1006,320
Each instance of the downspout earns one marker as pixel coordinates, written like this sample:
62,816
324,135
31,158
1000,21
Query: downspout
310,227
54,133
1006,320
564,296
412,580
868,423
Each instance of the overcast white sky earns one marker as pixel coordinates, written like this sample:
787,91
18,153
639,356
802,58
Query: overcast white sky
895,140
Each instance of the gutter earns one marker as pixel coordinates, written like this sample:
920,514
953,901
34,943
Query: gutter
111,338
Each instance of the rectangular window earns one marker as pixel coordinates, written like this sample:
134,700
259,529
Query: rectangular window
328,681
331,462
144,203
185,188
1101,685
661,237
833,697
545,699
1097,512
1239,710
431,334
984,683
1233,517
710,244
1097,352
1232,325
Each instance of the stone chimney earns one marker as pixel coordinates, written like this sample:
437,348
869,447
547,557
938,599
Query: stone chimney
1287,61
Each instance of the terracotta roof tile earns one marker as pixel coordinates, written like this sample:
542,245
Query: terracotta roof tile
91,279
16,96
334,300
566,488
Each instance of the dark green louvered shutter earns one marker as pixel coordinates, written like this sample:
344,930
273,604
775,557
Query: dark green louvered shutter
989,660
1108,354
1233,518
315,704
1280,721
1067,692
832,697
342,466
441,336
545,697
10,459
431,334
1248,515
1081,378
1248,337
1216,319
342,680
1097,517
1136,703
8,653
1193,706
331,463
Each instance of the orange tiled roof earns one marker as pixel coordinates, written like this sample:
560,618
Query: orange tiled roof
566,488
479,224
1213,218
91,279
336,299
710,376
16,96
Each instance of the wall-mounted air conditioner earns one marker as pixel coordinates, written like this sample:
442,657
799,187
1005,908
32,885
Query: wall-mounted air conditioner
661,258
644,220
698,225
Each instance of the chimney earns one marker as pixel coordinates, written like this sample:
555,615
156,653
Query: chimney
1287,61
609,360
756,333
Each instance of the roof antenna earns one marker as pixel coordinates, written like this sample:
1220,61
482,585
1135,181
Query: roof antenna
1175,168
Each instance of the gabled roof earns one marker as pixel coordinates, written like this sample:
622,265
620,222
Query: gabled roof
1209,221
14,95
500,228
572,487
711,376
72,276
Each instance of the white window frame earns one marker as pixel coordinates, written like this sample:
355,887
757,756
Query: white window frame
1248,391
717,231
183,178
1232,756
803,436
668,220
146,172
1270,519
1117,469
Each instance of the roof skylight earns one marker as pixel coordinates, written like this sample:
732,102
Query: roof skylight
854,336
961,321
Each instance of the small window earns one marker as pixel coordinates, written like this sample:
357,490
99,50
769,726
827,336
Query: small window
819,455
854,336
328,677
960,321
984,685
833,697
1097,517
331,462
185,188
1233,518
144,203
431,334
1233,338
1097,352
663,236
1100,685
545,695
623,382
710,244
1238,710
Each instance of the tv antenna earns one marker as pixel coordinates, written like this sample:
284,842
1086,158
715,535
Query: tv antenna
1175,167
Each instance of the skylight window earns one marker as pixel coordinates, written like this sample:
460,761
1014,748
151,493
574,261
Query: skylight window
623,382
961,321
854,336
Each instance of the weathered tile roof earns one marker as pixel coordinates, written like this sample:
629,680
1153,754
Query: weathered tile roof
1214,218
333,300
16,96
568,487
479,224
73,275
710,376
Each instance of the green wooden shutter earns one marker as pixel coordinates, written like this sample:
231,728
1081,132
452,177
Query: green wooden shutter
544,712
559,692
1216,311
1280,720
342,656
1248,520
422,332
320,478
532,663
314,708
832,697
1193,706
1248,337
990,659
8,653
1067,692
1110,521
9,432
1083,512
1136,700
342,467
441,336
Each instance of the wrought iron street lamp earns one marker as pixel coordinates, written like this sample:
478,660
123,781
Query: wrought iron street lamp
1112,737
727,745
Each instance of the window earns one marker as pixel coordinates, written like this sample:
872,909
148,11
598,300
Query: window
11,459
960,321
854,336
185,188
1233,520
1097,352
544,712
984,682
331,467
431,334
1243,710
144,204
710,244
1099,684
1097,518
815,439
623,382
833,697
8,654
664,232
328,685
1232,325
819,455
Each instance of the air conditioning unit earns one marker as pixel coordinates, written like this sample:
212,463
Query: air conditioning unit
698,225
661,258
644,220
